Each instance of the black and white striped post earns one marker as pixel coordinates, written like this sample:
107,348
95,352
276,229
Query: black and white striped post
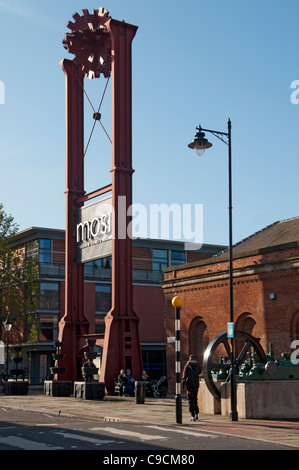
177,302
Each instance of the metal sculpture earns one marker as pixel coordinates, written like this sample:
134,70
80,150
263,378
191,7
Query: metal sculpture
220,368
101,46
250,364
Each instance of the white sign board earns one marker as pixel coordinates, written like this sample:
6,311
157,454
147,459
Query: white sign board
2,358
170,339
94,231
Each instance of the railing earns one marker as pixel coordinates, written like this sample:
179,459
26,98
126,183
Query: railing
148,276
92,272
52,270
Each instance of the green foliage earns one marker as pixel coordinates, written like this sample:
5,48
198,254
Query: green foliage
19,276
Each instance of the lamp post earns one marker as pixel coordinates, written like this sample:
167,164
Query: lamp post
200,144
7,326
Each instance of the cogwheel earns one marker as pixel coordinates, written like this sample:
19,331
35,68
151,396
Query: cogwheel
90,42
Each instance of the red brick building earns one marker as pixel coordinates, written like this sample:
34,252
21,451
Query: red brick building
266,293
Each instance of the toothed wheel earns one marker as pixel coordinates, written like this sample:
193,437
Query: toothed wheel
90,42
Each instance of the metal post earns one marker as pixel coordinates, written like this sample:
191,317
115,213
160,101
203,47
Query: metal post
7,355
178,398
233,394
200,142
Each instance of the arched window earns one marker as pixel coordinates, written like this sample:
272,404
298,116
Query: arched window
198,338
294,333
245,323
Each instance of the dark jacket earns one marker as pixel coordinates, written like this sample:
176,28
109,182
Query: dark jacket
190,376
122,379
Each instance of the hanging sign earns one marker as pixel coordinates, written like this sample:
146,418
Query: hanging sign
94,231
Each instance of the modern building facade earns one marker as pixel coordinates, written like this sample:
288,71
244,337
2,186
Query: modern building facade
150,258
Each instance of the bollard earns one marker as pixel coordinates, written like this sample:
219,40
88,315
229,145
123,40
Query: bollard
177,302
139,391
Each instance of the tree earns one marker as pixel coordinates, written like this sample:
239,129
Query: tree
18,275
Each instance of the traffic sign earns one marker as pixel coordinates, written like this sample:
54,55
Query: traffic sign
230,330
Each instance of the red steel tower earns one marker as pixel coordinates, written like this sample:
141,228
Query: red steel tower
102,46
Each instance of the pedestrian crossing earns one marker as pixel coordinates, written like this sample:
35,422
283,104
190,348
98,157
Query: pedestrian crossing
91,436
17,442
131,434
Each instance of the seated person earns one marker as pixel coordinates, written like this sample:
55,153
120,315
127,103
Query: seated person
129,386
122,377
121,380
145,377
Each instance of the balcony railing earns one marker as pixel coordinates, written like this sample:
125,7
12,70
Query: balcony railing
92,272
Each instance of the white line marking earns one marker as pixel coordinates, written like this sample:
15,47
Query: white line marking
89,439
182,431
125,433
26,444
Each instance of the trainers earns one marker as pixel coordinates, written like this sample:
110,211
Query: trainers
196,418
192,418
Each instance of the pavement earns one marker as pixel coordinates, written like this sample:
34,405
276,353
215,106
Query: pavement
160,411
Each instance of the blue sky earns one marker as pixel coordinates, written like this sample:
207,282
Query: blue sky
193,62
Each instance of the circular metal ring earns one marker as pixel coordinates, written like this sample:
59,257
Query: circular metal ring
210,365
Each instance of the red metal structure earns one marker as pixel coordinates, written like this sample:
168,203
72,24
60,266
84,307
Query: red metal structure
101,45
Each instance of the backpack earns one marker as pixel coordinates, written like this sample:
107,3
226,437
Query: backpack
191,374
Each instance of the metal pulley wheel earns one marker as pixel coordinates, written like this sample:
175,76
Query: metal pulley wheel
90,42
213,361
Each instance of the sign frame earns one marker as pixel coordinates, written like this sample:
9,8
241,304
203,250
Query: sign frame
94,231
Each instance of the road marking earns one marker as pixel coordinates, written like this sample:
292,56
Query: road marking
125,433
91,440
182,431
26,444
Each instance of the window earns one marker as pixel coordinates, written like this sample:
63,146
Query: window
102,263
32,249
44,251
42,327
178,257
100,268
102,298
160,259
49,296
154,362
48,327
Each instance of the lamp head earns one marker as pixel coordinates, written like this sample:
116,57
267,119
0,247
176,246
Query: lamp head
7,324
200,143
177,301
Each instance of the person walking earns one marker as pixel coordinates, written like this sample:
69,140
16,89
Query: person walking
190,378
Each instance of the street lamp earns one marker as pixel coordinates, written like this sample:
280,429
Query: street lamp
7,326
200,144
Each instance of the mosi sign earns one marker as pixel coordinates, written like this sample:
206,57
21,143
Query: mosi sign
95,227
94,231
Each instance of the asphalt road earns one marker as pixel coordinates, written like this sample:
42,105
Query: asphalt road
27,430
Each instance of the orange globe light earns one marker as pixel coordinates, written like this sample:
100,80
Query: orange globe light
177,301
